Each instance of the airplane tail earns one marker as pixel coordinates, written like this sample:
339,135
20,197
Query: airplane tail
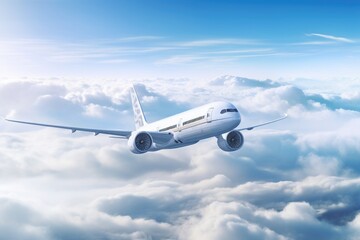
139,116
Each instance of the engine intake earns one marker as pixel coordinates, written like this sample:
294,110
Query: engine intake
234,141
140,142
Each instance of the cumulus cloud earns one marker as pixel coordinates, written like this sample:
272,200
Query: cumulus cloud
297,179
244,82
26,222
278,210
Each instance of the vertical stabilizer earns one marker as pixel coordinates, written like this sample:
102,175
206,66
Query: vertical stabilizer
138,112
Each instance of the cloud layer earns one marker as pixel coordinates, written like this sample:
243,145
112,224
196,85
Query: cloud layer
297,179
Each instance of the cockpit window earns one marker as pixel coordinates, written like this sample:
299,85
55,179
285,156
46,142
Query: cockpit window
228,110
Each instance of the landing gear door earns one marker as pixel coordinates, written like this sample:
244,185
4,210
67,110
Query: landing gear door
209,115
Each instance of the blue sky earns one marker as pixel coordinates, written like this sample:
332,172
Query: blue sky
268,20
265,39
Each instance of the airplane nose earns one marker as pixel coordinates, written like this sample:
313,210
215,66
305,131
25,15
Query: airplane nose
234,121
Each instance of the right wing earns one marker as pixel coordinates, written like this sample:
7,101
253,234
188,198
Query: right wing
124,134
262,124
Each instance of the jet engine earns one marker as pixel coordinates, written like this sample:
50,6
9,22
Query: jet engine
232,141
140,142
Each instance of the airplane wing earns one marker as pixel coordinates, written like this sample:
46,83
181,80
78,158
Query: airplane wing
125,134
262,124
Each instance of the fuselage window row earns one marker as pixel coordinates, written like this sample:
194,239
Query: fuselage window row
193,120
168,128
184,123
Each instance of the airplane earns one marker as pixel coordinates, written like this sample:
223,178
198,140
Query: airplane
217,119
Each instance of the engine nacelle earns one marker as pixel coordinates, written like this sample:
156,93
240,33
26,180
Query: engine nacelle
140,142
232,142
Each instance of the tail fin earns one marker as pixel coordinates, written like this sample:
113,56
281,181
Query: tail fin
140,119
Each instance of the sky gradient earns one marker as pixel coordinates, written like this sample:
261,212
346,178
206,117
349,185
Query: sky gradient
138,39
71,62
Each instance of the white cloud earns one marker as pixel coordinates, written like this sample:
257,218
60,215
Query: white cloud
237,51
136,38
123,57
224,221
123,50
293,180
214,42
222,56
26,222
180,59
315,43
330,37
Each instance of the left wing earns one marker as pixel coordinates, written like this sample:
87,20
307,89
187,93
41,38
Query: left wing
125,134
262,124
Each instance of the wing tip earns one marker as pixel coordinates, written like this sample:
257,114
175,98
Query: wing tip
7,119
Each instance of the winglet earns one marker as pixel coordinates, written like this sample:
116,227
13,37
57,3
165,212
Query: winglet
139,116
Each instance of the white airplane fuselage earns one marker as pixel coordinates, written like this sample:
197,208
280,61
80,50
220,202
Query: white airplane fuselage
199,123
